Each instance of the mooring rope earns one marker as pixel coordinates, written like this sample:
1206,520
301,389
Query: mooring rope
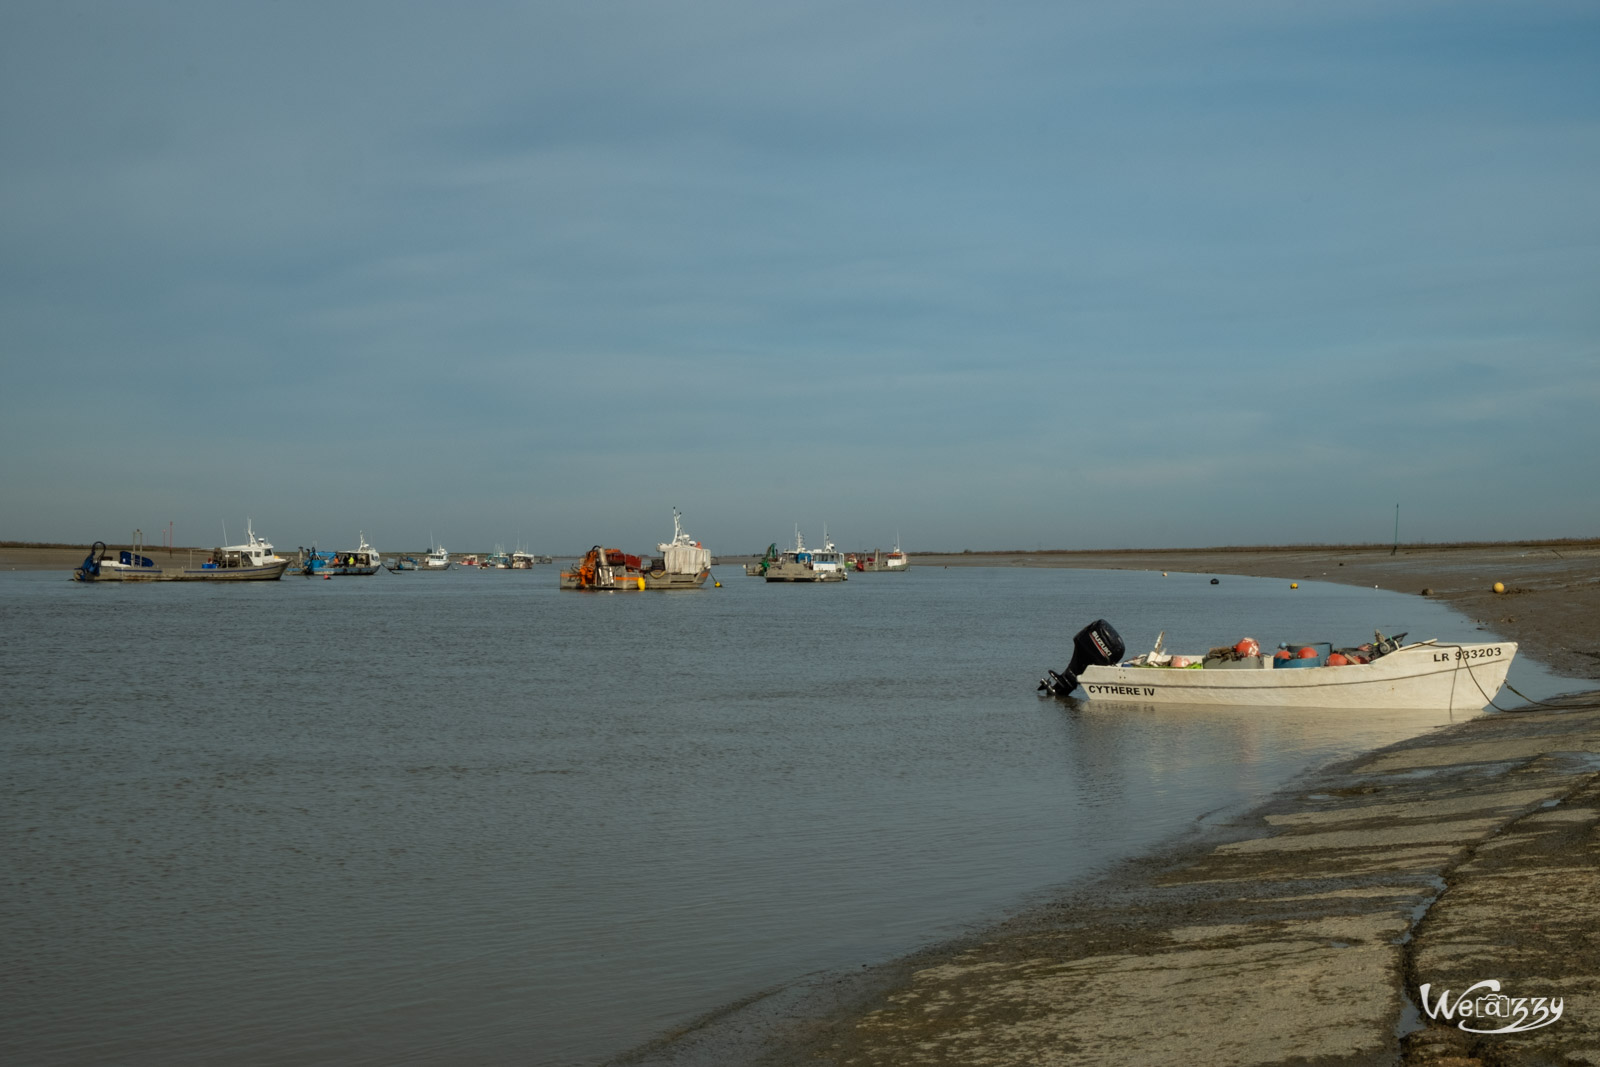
1533,704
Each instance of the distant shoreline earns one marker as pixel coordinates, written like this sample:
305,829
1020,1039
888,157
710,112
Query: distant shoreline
1551,604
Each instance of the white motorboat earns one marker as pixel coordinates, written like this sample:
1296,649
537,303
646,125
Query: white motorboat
1434,674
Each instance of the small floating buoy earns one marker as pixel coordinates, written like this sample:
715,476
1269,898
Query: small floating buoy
1163,574
1294,585
1216,581
717,584
1499,587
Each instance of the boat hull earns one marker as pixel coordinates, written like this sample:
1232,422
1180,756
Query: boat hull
1431,675
789,571
341,570
270,572
635,583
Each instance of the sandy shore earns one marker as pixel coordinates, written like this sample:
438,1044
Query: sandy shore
1303,931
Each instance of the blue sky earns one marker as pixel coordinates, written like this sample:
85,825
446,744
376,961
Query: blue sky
991,276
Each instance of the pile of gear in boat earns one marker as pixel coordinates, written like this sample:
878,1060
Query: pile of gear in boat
1100,644
1247,655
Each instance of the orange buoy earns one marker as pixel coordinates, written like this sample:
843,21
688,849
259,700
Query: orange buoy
1337,660
1282,653
1307,653
1248,647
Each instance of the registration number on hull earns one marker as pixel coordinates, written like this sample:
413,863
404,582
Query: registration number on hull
1482,652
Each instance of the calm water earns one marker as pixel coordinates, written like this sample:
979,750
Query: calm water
466,818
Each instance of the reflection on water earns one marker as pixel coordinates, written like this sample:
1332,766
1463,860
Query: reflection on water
465,817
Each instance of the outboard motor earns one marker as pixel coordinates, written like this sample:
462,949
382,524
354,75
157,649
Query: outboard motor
90,570
1097,644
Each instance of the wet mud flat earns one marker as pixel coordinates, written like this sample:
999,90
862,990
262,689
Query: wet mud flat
1300,932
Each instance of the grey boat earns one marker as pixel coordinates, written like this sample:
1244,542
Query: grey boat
802,564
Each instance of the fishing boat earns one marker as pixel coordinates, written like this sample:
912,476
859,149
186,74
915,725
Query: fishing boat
896,560
1387,673
437,559
253,561
881,562
802,564
684,563
758,569
359,562
400,563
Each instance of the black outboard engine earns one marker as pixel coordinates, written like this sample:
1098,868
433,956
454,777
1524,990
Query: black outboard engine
1096,644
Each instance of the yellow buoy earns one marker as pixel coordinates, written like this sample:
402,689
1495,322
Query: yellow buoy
1294,585
641,583
717,584
1499,587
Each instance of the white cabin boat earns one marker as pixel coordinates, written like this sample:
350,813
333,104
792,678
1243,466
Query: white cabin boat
253,561
894,559
362,561
437,559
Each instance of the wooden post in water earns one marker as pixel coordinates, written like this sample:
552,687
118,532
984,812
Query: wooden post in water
1396,547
